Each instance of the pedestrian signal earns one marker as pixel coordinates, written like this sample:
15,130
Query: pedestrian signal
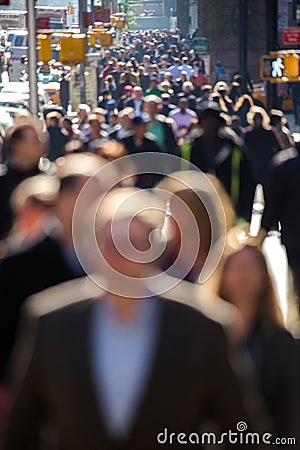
279,67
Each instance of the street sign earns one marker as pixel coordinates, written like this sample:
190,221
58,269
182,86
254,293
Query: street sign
103,16
87,19
291,36
42,23
201,45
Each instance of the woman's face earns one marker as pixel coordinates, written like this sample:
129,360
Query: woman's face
243,279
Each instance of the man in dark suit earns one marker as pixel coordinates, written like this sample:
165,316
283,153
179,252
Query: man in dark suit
137,101
50,261
142,142
121,367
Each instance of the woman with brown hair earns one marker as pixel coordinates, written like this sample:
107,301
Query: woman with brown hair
246,283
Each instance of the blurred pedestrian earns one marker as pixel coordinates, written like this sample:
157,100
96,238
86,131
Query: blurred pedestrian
182,116
96,335
282,196
262,143
277,121
49,261
246,283
218,153
57,137
25,152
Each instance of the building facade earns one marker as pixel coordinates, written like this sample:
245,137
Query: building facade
218,20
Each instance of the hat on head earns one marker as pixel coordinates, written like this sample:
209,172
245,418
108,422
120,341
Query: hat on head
182,98
128,87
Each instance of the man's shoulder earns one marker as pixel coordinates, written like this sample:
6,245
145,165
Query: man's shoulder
26,255
64,298
199,305
174,112
286,159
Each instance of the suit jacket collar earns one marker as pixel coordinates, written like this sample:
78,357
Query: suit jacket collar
87,398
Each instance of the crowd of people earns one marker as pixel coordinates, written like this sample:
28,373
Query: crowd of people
136,358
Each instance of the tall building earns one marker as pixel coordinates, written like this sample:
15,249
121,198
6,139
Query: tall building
219,22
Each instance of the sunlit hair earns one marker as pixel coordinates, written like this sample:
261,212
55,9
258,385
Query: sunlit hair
111,150
244,98
221,85
258,110
267,305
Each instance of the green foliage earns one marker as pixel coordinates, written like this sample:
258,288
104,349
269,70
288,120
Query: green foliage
129,8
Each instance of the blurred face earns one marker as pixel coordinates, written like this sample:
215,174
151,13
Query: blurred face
113,120
183,105
138,94
82,114
114,245
30,147
140,130
66,204
95,126
151,108
210,124
125,122
67,125
243,279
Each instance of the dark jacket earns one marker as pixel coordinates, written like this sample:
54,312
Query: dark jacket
230,164
169,138
144,180
190,381
10,177
58,140
22,275
283,197
273,351
261,145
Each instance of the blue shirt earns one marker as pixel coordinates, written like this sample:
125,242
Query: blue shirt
122,355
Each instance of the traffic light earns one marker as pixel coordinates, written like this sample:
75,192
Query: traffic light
279,67
92,38
72,48
118,22
70,10
44,48
291,63
105,38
